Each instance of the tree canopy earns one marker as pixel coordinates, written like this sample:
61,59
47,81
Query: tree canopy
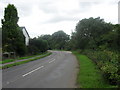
59,38
89,32
12,36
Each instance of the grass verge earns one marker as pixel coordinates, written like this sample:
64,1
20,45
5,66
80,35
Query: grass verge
6,61
89,75
20,58
22,62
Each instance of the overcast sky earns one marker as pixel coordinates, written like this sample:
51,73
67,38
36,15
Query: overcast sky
48,16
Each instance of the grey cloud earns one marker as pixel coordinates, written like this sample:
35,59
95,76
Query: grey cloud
86,6
58,19
113,2
48,7
24,10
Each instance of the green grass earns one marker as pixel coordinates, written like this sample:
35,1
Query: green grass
22,62
6,61
89,75
30,56
20,58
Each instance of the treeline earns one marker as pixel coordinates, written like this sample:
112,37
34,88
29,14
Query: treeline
100,41
13,39
56,41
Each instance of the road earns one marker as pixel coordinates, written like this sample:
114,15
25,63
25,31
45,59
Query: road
59,70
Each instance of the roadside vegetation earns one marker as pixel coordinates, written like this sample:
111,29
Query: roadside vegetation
89,75
20,58
28,60
100,41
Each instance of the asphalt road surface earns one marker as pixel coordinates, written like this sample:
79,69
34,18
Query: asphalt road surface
58,70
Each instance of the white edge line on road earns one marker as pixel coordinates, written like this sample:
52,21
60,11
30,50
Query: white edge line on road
32,71
52,61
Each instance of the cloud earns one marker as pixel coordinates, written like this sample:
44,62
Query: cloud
48,16
57,19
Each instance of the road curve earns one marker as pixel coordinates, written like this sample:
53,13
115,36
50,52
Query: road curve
58,70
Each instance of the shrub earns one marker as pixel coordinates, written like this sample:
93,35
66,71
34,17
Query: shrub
108,62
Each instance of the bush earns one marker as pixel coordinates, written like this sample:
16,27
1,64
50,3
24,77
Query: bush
108,62
110,72
37,46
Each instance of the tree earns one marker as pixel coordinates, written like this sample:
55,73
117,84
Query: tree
112,39
72,44
59,39
47,38
12,36
37,45
89,31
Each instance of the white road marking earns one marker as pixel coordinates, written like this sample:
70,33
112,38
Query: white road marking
52,61
32,71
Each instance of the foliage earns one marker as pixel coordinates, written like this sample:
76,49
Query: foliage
37,45
22,62
100,41
89,75
47,38
59,39
88,32
108,62
12,36
111,40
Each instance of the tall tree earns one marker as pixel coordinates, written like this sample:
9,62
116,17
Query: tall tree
13,39
112,39
47,38
37,45
59,39
89,31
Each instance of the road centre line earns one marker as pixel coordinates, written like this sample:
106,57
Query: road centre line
32,71
52,61
36,69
